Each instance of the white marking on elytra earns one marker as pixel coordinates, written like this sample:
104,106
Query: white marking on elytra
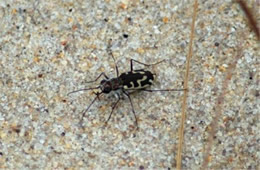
140,72
139,83
132,85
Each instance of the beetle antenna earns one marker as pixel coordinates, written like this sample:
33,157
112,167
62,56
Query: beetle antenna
92,88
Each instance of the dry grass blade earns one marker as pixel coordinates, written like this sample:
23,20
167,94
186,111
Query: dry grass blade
220,99
184,104
219,107
250,17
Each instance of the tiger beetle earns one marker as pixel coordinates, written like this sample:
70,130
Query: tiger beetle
126,82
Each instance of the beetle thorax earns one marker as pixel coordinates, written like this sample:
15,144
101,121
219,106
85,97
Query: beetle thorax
109,85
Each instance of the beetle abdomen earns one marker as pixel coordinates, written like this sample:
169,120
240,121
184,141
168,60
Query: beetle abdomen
137,79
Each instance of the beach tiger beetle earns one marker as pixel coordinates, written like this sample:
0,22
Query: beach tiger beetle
134,80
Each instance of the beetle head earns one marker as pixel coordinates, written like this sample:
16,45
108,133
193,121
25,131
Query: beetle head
105,86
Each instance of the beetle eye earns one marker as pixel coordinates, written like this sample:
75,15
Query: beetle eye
102,81
105,86
107,89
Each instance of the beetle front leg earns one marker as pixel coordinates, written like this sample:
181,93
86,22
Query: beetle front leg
102,74
113,108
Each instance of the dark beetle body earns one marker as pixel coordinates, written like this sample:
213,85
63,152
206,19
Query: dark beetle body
137,79
132,80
